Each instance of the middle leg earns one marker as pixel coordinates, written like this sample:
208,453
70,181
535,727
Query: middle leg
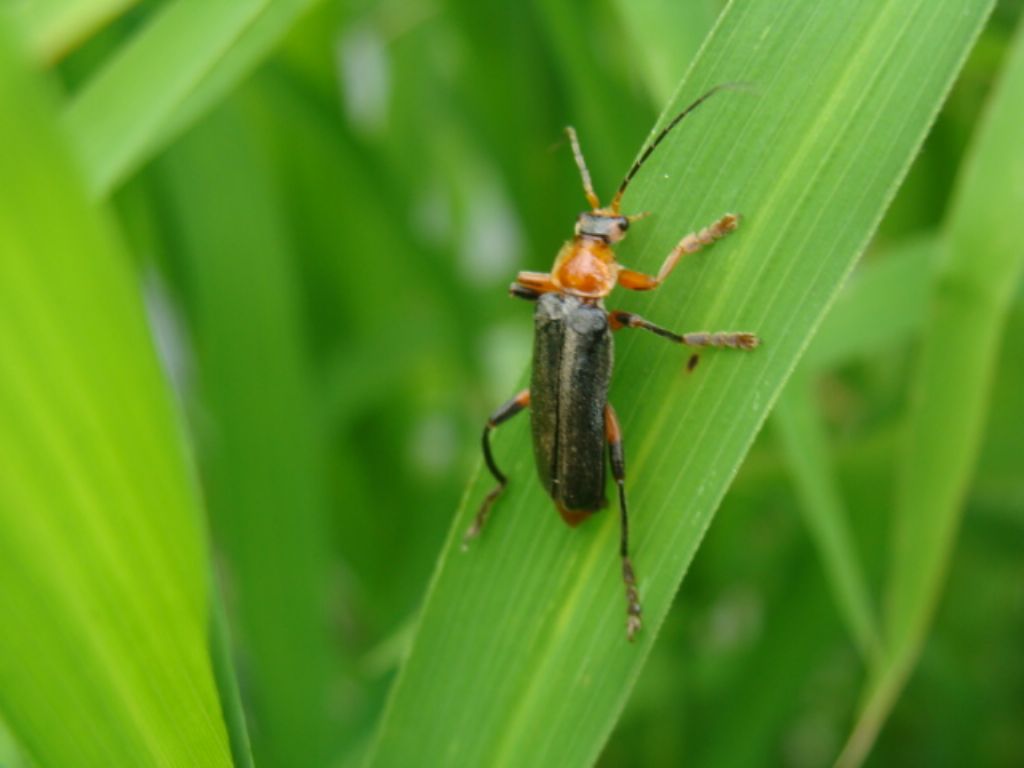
730,339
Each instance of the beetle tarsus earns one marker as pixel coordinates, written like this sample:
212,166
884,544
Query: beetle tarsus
722,339
727,339
480,520
716,231
634,621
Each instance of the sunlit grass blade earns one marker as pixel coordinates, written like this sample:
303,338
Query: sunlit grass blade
520,657
980,263
103,573
54,27
185,58
798,424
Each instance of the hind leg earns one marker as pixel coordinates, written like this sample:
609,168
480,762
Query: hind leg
503,414
618,461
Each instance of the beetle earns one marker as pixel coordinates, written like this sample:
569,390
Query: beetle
571,418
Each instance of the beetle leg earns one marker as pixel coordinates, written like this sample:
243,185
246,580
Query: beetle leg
522,292
730,339
693,242
618,461
503,414
530,285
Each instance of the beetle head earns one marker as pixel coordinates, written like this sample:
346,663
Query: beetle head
610,227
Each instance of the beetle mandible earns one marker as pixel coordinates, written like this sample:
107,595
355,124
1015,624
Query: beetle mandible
571,418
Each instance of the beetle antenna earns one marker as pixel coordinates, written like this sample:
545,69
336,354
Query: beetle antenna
577,153
664,132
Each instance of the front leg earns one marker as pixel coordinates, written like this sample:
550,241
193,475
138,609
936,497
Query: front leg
693,242
530,285
729,339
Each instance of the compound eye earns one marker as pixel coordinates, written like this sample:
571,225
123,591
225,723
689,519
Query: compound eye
623,224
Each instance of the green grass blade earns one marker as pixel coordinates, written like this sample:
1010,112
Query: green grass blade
798,425
103,588
227,685
976,279
162,79
55,27
884,304
520,657
255,42
665,36
264,460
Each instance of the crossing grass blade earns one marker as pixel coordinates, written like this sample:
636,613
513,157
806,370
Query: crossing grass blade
666,35
186,58
103,589
54,27
801,432
883,305
520,656
978,271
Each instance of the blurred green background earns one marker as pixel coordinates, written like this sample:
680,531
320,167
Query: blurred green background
322,225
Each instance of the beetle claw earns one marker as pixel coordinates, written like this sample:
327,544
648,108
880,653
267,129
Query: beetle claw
633,625
633,611
482,514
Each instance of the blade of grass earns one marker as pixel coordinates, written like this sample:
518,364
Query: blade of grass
883,304
103,589
10,755
520,656
666,35
163,78
977,275
257,40
796,421
798,424
265,464
590,84
227,685
56,27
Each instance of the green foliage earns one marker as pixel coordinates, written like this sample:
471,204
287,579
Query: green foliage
320,206
545,606
103,658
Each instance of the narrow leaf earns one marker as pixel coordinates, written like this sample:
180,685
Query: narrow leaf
162,79
666,36
103,589
981,262
801,433
55,27
520,657
883,304
263,457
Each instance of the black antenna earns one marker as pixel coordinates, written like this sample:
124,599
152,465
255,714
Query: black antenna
664,132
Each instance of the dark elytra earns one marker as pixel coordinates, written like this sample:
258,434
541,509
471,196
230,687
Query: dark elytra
572,364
